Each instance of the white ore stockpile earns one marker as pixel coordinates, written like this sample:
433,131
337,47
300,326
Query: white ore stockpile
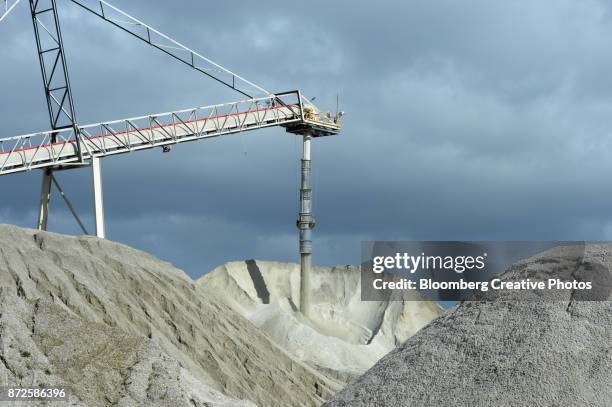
343,337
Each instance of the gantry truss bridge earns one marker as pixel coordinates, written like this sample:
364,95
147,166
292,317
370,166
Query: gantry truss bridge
67,147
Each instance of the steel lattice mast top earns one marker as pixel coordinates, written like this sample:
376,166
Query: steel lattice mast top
54,69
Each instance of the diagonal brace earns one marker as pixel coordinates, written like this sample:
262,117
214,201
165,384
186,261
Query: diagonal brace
69,204
173,48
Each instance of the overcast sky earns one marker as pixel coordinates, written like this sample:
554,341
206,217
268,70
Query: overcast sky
469,120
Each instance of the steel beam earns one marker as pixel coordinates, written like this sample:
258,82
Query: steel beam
45,198
98,201
6,6
69,204
305,224
169,46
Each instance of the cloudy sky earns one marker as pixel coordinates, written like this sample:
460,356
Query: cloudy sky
465,121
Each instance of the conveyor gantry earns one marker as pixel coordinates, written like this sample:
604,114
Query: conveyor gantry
71,145
289,110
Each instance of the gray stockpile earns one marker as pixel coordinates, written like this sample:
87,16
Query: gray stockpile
121,327
513,350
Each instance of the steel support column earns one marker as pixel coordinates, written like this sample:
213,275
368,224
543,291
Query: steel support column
97,197
305,224
45,197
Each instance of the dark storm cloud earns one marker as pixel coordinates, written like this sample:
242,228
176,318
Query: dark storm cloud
466,120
